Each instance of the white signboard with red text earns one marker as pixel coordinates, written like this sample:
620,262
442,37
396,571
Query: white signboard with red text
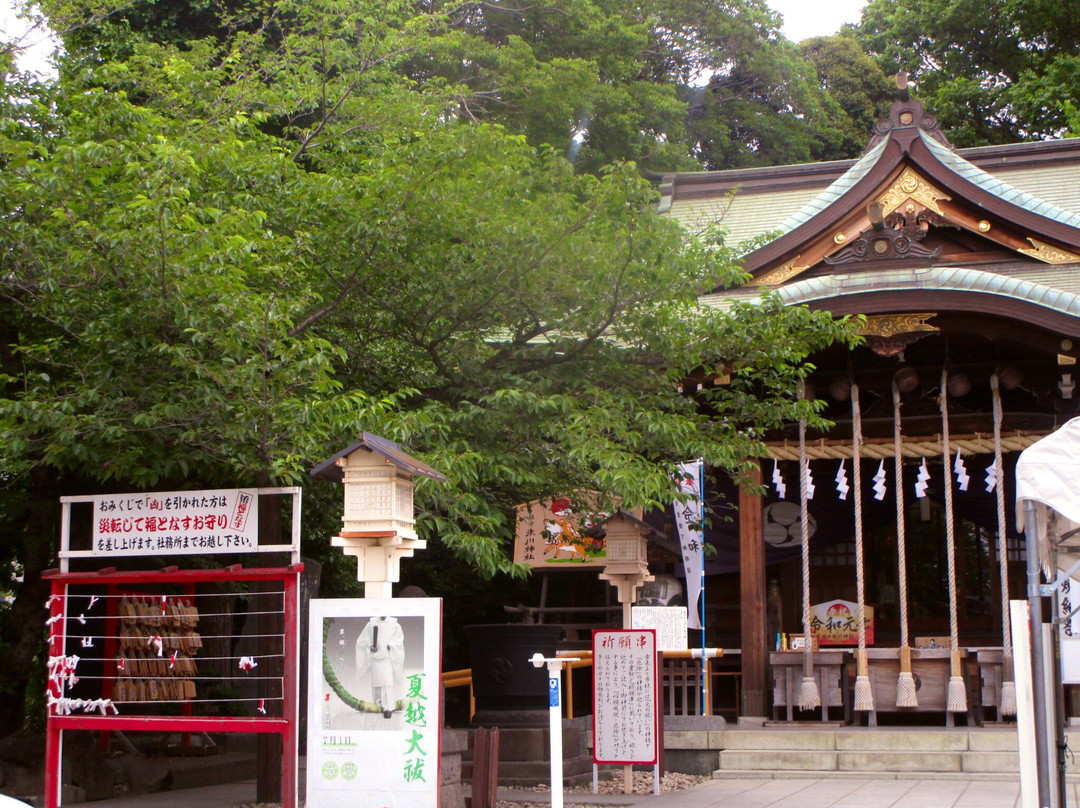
176,523
625,696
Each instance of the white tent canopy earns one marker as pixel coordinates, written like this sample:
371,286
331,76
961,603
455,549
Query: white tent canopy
1048,475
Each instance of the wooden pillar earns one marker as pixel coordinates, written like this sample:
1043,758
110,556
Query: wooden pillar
752,599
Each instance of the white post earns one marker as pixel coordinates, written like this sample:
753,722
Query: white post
554,666
1038,654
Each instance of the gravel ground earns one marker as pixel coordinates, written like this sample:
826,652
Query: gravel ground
643,784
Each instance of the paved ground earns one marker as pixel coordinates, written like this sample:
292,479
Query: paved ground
779,793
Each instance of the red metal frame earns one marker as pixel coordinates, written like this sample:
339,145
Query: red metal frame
287,725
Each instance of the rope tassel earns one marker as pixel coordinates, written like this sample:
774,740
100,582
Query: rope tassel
905,686
957,693
864,695
809,696
1008,699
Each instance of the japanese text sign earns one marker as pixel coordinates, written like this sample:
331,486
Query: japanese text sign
625,696
669,623
175,523
836,622
374,703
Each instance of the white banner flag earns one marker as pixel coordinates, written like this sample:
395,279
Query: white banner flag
688,522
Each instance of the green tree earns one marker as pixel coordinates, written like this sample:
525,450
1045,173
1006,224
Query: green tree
224,258
669,84
855,82
999,71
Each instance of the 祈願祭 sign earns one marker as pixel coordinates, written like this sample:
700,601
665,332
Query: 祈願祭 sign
625,696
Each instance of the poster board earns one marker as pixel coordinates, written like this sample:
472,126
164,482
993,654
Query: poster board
174,523
625,696
550,535
374,701
1069,599
835,622
669,623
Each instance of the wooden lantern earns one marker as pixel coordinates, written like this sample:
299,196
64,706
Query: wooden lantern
379,524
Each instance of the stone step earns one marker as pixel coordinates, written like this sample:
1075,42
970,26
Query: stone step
902,740
758,774
773,759
991,762
881,739
899,761
1004,740
817,739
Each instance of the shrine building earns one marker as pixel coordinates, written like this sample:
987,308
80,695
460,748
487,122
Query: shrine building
966,265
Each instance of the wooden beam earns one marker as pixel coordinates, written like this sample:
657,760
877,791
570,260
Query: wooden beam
752,599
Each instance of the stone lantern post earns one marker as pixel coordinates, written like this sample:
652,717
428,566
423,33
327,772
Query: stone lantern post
379,525
626,548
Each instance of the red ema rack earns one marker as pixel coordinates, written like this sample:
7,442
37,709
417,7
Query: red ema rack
141,641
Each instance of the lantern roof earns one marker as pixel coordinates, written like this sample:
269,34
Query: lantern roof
650,532
330,470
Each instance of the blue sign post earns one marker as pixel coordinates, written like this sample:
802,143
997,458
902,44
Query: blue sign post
555,666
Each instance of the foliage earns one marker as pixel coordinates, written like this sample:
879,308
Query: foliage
222,259
992,72
856,83
667,84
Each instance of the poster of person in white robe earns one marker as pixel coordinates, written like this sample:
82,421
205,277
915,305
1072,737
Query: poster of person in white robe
374,703
380,659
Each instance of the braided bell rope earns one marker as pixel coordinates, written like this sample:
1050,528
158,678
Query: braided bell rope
1007,705
864,697
901,536
809,695
957,695
906,691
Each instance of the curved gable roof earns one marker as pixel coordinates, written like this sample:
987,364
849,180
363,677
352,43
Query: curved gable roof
909,141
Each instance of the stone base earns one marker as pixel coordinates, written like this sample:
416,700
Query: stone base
525,754
512,719
700,762
452,789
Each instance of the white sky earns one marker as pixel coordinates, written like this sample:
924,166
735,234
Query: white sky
806,18
36,43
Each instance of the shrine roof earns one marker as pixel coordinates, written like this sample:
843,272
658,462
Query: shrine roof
996,186
749,203
1056,288
392,452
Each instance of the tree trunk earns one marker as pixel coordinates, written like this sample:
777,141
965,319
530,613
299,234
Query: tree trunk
23,633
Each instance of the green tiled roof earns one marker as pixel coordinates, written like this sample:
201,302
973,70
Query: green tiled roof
996,186
1051,188
1033,287
836,190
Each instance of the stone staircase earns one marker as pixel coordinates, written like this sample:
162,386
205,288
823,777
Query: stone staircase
882,752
